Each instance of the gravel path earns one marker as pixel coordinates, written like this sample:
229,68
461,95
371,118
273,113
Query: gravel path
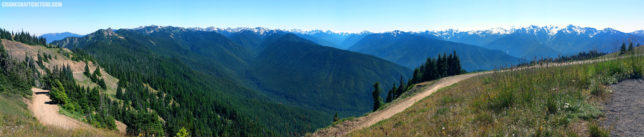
625,109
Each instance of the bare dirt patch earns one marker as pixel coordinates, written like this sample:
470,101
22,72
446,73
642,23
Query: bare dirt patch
624,112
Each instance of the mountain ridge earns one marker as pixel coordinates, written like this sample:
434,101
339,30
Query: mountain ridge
242,71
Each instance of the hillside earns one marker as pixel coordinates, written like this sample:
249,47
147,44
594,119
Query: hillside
564,100
411,50
323,74
21,116
241,74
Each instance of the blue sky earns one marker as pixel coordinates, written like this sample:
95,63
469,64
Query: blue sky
85,16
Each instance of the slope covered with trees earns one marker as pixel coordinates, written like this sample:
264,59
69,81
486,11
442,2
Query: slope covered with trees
212,85
323,75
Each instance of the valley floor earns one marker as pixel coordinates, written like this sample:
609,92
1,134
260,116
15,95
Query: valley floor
625,109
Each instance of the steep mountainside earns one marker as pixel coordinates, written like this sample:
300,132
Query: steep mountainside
323,74
271,77
411,50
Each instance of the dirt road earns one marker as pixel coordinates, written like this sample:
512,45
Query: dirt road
47,113
349,126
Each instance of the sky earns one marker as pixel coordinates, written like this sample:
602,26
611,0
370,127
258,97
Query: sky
86,16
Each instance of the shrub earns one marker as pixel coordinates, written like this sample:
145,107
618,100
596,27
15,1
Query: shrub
597,88
501,101
551,105
442,111
596,131
483,118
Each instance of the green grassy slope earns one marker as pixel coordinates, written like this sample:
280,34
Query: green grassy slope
557,101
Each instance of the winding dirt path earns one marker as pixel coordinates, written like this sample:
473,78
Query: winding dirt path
349,126
47,113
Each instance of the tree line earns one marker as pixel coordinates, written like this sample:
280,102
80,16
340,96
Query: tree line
623,49
434,68
16,77
23,37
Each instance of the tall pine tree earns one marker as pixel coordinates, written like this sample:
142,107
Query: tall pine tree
377,100
622,49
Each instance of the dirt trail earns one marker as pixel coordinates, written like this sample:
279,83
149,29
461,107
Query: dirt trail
349,126
625,110
47,113
373,118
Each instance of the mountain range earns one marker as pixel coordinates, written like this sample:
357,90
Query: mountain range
291,84
541,41
293,81
524,43
58,36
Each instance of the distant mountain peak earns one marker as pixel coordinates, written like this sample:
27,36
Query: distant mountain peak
58,36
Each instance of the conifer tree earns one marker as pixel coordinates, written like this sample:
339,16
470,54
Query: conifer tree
390,94
97,72
335,117
457,64
377,100
87,70
119,92
622,49
401,88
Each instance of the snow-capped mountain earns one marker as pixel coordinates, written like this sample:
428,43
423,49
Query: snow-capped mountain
544,41
523,42
340,40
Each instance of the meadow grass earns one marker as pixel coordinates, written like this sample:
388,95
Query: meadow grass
554,101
